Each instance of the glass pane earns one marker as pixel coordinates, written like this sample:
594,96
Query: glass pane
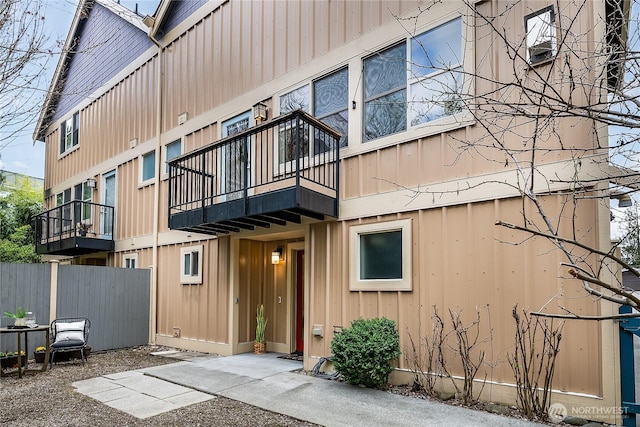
148,166
295,100
338,121
174,150
381,255
436,97
68,138
235,125
385,115
87,192
194,263
187,265
539,28
331,93
287,141
385,71
235,158
437,49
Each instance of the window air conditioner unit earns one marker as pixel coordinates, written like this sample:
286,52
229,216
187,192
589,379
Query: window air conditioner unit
541,51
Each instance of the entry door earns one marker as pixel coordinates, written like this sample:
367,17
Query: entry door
299,319
108,199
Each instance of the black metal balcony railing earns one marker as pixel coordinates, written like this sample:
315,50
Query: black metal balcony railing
272,173
75,228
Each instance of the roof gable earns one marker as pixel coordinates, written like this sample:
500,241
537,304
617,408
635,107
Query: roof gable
104,38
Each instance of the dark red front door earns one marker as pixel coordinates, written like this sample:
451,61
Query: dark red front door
299,301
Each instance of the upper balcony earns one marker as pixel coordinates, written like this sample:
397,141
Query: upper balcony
273,173
75,228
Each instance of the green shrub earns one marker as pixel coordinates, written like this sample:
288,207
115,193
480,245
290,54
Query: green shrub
363,352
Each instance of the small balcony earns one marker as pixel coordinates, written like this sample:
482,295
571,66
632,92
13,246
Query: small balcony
75,228
274,173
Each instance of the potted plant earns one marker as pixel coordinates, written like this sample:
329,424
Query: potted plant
19,317
260,346
9,359
82,228
39,354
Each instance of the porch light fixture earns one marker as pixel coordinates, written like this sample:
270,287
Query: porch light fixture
91,183
260,112
276,256
624,200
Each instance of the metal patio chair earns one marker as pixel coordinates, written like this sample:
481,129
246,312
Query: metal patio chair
69,334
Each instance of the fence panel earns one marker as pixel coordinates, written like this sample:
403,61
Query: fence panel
116,300
27,286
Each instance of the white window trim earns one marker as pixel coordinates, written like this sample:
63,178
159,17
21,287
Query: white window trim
165,167
403,284
193,279
73,147
152,180
131,256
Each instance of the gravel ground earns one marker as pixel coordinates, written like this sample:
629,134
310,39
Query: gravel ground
47,398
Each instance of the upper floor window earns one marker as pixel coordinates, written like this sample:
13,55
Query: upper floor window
148,166
85,193
329,96
171,151
541,35
69,133
331,102
397,95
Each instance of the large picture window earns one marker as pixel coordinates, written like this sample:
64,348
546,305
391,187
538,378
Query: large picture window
381,256
413,83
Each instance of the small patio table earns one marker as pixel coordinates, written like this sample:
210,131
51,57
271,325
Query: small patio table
26,330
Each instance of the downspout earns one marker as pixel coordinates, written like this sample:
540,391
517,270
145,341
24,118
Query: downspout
153,309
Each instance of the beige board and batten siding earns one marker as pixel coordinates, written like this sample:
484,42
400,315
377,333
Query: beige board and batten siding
462,261
243,45
199,311
108,122
261,282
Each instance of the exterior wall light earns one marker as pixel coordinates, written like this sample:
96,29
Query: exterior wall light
276,256
91,183
260,112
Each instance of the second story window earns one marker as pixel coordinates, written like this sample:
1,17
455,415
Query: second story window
385,92
69,133
331,103
414,82
171,151
148,167
541,35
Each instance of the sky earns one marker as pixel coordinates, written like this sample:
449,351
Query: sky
22,155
